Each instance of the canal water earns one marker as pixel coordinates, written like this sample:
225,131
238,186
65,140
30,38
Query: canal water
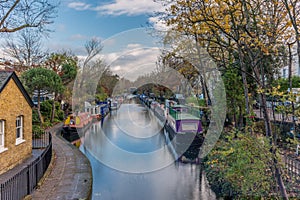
131,160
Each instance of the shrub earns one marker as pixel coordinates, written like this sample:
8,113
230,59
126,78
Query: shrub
59,115
37,131
35,117
46,109
241,166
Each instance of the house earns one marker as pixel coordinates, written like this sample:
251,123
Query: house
295,70
15,121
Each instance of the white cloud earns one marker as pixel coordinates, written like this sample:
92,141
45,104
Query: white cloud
120,7
78,37
158,24
116,68
129,7
125,7
134,46
132,63
79,6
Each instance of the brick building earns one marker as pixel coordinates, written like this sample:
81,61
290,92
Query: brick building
15,121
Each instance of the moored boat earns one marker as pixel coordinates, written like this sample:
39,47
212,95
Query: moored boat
182,121
114,105
75,124
184,128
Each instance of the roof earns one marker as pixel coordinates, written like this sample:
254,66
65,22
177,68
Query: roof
5,76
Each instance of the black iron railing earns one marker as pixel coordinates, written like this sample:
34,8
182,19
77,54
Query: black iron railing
24,182
41,141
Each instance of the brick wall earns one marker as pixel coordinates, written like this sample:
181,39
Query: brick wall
12,105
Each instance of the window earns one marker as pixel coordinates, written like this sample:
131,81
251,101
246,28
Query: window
2,136
284,73
19,130
1,133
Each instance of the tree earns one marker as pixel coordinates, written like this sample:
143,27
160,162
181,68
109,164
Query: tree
18,14
245,32
90,71
65,65
293,10
108,81
235,97
39,79
26,49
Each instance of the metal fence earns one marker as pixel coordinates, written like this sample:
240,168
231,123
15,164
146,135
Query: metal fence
292,165
24,182
292,178
41,141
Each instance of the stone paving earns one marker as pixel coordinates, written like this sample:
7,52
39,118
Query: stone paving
69,175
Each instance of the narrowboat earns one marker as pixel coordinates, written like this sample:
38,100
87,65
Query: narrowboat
184,130
181,120
114,105
104,108
75,125
94,110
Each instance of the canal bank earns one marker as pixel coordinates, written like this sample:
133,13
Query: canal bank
69,175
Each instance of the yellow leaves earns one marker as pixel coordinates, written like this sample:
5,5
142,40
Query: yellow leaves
260,90
228,152
212,162
265,50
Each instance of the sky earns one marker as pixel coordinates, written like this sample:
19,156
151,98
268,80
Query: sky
78,21
120,25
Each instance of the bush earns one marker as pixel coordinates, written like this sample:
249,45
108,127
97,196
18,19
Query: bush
37,131
59,115
46,109
241,166
47,124
35,117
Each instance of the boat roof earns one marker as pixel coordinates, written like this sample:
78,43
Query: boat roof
186,116
179,106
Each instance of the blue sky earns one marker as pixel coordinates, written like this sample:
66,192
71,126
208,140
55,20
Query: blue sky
128,49
79,21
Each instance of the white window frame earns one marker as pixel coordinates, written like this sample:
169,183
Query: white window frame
19,127
2,136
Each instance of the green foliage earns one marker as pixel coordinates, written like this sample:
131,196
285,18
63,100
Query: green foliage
59,115
69,72
46,108
41,79
47,124
240,166
284,83
101,97
37,131
195,101
35,117
234,92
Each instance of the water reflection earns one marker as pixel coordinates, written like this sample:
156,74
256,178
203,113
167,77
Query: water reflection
130,160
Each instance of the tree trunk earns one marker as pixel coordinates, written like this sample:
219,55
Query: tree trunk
291,85
53,108
202,72
245,83
272,142
278,176
39,109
